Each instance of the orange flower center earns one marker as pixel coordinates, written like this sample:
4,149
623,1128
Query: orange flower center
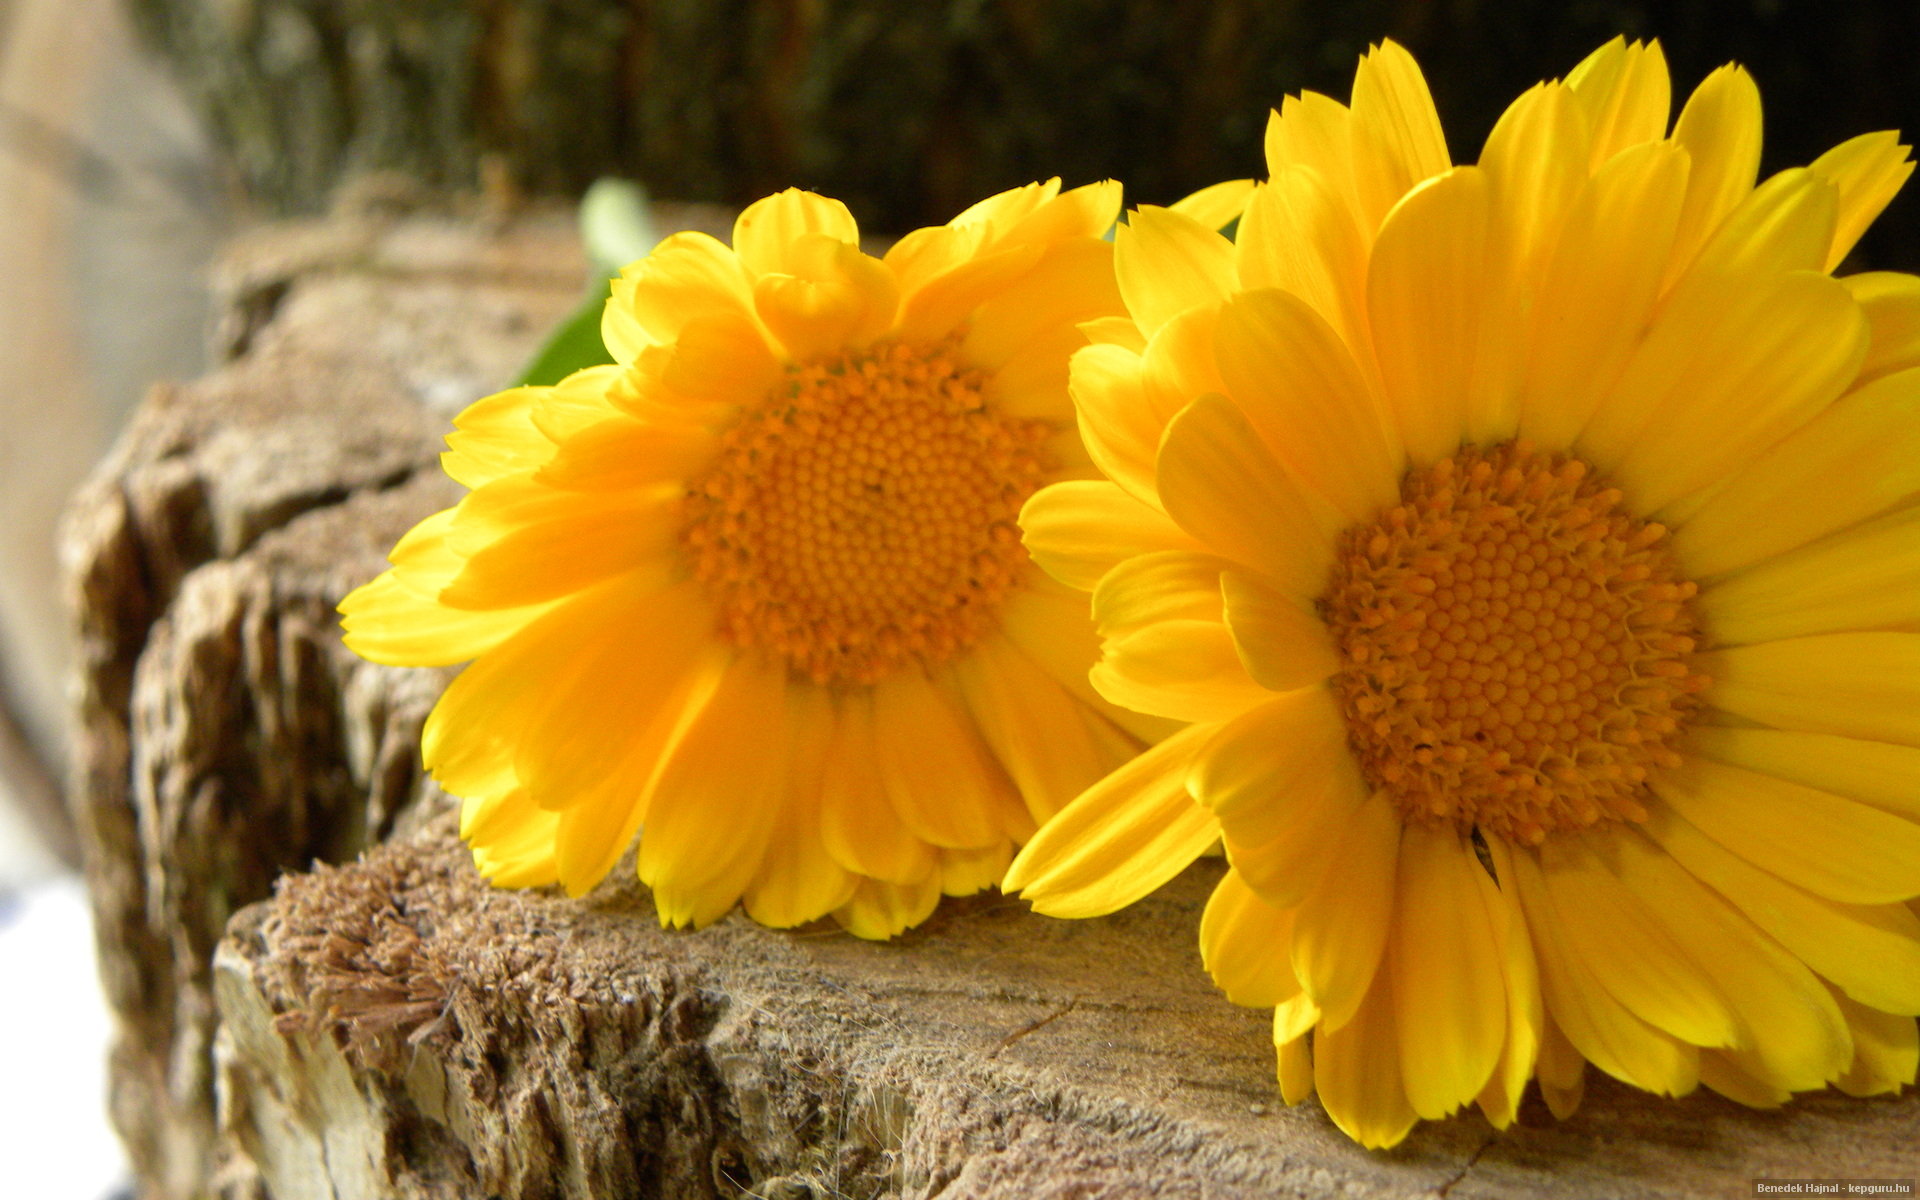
863,518
1516,649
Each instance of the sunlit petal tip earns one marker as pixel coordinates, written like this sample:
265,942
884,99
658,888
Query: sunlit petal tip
1217,205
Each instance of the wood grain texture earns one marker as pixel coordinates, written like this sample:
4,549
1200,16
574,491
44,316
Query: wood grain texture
319,999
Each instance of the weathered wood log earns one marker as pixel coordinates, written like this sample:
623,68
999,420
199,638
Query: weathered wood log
390,1026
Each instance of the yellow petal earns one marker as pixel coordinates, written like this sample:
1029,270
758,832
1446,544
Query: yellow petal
1220,484
512,839
1117,427
687,275
1625,946
594,833
1886,1051
494,438
1314,131
1299,387
397,618
882,910
1536,164
1624,88
1120,839
1397,140
1294,1068
1167,263
799,880
481,723
582,399
943,280
1828,844
1791,1034
1299,235
1284,787
1856,459
1184,669
942,783
1872,952
1598,293
927,254
1077,531
1124,408
1785,224
1732,1075
830,297
1003,210
1293,1017
1584,1014
1450,1002
858,825
1877,773
1073,282
1563,1072
526,543
1166,585
1865,578
1357,1072
1282,643
1051,746
1087,211
719,359
1243,942
610,693
1115,331
710,807
1864,685
765,231
1217,206
1869,172
1727,369
1425,291
1520,973
621,452
1341,927
1720,131
1032,385
1048,623
1890,301
965,872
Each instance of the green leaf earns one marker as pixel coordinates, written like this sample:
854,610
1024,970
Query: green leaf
616,223
574,345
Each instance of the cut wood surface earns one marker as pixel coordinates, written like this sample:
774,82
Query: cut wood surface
390,1026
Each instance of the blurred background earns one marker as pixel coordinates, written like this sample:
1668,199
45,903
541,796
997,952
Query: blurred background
136,135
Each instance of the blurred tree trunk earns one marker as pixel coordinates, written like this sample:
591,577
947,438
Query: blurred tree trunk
911,111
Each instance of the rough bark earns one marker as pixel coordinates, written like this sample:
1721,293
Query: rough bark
223,733
390,1026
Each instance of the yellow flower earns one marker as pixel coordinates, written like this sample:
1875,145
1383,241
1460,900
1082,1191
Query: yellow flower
755,591
1534,548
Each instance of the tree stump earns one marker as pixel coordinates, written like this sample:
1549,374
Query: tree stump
317,997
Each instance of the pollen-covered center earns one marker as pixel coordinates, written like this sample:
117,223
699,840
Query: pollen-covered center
1516,648
864,517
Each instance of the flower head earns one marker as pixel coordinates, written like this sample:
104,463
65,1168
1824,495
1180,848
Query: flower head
755,593
1534,549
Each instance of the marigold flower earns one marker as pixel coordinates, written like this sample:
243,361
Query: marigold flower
1534,548
755,591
